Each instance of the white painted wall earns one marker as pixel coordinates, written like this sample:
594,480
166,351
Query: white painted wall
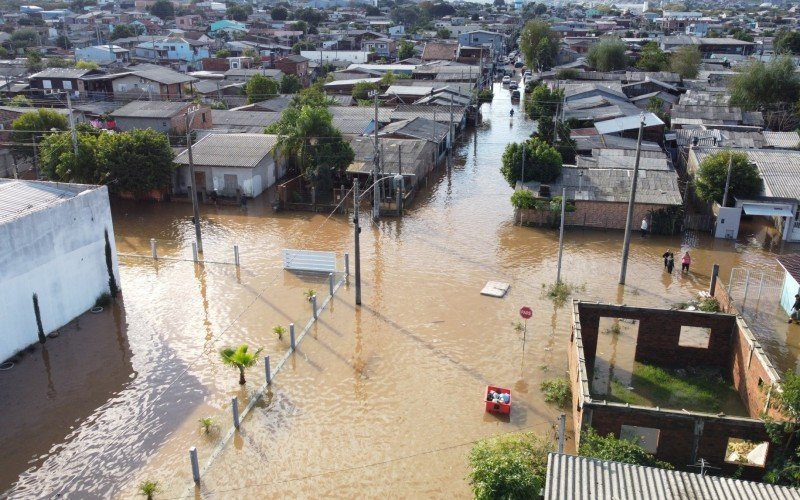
59,254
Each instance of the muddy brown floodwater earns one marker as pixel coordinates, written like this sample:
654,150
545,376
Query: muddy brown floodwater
381,399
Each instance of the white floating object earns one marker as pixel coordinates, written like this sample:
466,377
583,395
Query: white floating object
495,289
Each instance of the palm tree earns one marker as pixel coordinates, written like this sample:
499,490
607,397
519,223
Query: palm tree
240,359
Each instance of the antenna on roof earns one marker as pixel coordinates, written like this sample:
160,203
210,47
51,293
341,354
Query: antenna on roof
703,464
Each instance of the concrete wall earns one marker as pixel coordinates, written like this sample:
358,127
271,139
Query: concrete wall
598,214
790,289
57,253
252,181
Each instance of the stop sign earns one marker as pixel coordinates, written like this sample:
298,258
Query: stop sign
526,312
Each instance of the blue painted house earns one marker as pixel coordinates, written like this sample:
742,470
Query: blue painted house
228,26
175,50
791,280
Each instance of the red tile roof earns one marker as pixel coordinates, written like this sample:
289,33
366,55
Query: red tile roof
791,263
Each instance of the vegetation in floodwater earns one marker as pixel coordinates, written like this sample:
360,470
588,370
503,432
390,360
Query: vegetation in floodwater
509,466
518,326
618,450
557,391
148,488
239,358
279,331
559,292
613,329
206,423
309,293
700,303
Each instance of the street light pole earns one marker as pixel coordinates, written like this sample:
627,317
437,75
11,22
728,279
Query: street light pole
376,198
192,183
629,218
728,179
72,126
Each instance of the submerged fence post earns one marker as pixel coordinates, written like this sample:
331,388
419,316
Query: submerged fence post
267,370
314,306
153,248
236,255
330,283
194,251
291,335
235,409
746,287
347,264
714,274
195,464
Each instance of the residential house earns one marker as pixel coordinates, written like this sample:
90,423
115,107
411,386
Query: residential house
296,65
103,54
165,117
240,122
481,38
227,26
188,21
439,51
709,46
155,83
420,128
231,165
411,158
173,50
54,80
244,74
628,126
382,47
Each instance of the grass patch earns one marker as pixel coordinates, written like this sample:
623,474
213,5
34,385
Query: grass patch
557,391
695,389
700,303
613,329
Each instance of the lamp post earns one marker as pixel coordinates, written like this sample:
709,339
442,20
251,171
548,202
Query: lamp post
192,181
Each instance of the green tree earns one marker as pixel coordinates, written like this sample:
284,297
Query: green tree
23,38
509,467
240,358
653,58
279,14
311,16
784,467
301,46
87,65
765,85
163,9
299,26
34,62
443,33
361,90
310,141
223,53
713,172
371,10
260,88
787,42
406,50
542,162
122,31
608,55
533,34
20,101
138,161
290,84
686,61
239,12
618,450
32,125
743,35
58,162
58,62
541,104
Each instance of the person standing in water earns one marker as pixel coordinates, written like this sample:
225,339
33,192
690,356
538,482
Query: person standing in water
644,227
795,316
665,257
670,262
686,261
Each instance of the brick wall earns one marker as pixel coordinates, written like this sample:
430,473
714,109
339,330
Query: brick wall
659,334
598,214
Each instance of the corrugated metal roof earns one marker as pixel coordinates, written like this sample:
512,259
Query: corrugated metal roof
20,198
780,169
573,477
787,140
151,109
230,150
627,123
791,263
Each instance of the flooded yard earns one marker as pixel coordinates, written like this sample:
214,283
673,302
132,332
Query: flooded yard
386,398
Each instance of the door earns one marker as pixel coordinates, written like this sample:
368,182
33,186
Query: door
200,184
231,184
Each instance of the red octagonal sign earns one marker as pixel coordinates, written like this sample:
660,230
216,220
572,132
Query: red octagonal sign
526,312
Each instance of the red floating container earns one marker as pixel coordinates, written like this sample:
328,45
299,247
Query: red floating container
497,407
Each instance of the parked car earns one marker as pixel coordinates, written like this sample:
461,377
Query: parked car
513,86
528,72
519,64
515,95
506,80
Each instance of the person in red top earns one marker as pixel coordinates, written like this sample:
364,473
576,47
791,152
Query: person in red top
686,261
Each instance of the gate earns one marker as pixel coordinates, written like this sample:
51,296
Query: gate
753,290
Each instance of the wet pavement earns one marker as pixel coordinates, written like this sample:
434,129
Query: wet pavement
386,398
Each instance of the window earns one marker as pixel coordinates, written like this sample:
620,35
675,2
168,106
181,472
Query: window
67,85
694,336
646,437
744,452
47,84
203,117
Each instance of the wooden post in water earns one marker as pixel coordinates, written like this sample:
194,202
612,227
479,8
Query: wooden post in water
235,409
195,464
291,336
153,248
267,370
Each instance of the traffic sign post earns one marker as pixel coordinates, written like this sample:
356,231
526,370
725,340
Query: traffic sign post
526,313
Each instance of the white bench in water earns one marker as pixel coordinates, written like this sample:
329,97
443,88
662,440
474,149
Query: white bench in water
495,289
309,260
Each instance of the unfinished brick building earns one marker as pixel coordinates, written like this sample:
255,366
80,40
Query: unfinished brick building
679,436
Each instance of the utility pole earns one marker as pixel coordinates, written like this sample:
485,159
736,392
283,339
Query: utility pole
72,125
356,202
192,181
728,179
522,177
451,130
561,233
629,218
376,199
400,187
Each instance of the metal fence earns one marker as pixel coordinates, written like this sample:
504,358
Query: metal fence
753,290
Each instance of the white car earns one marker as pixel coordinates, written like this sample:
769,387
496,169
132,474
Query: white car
506,80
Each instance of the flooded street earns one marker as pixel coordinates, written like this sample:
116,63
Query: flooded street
381,399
